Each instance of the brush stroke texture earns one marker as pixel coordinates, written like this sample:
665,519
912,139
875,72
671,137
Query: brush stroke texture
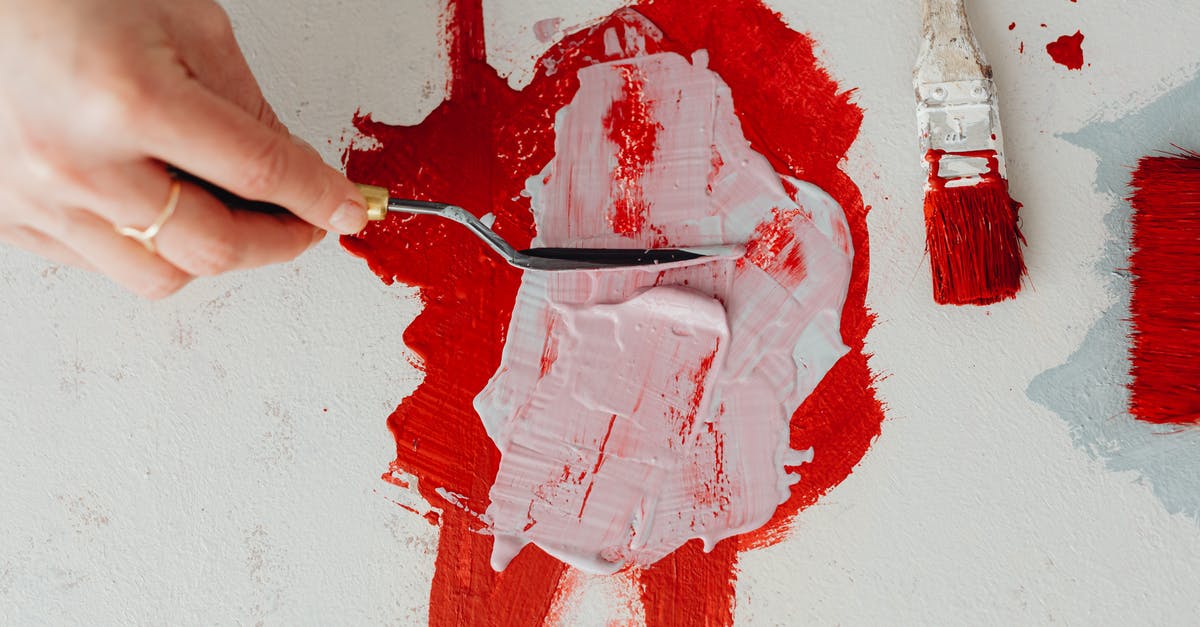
631,419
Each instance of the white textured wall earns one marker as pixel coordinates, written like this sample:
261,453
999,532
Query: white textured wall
175,462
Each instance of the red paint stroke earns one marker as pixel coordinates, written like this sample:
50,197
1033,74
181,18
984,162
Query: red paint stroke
550,348
630,125
973,236
697,377
1067,51
1165,264
770,239
691,587
601,453
476,150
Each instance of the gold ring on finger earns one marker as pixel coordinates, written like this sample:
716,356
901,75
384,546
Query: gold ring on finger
146,236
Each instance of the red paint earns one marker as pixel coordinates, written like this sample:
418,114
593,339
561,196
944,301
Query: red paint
631,127
604,444
697,377
1165,264
550,349
691,587
1067,51
770,238
791,111
1012,26
716,162
973,236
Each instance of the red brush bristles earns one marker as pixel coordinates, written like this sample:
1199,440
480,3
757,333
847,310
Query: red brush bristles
974,239
1165,307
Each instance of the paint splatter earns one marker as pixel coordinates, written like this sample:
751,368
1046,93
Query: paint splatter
1067,51
791,111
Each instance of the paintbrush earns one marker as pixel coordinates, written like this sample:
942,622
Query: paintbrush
973,233
380,205
1165,305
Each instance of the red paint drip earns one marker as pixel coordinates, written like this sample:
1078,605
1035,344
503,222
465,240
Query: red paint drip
973,235
1067,51
1165,307
631,127
791,111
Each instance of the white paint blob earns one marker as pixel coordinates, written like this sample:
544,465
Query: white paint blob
641,408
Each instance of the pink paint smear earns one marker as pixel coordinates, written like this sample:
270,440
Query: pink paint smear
637,409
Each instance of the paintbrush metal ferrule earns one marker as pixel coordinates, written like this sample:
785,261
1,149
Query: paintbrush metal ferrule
960,125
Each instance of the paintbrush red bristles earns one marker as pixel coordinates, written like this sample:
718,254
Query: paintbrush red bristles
1165,306
972,230
974,238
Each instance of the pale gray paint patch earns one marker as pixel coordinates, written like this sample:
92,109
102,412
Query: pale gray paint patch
1089,391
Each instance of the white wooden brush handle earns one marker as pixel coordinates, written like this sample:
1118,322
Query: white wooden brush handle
949,52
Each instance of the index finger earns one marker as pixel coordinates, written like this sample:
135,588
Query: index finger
200,132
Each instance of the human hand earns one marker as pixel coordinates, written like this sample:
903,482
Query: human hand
98,98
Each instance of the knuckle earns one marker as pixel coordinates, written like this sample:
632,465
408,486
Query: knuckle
48,164
120,103
323,202
42,157
266,114
212,257
263,172
39,165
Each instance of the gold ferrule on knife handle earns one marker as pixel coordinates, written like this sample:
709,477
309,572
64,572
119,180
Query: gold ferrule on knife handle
377,201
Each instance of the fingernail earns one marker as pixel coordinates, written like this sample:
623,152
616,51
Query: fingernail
318,235
350,218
